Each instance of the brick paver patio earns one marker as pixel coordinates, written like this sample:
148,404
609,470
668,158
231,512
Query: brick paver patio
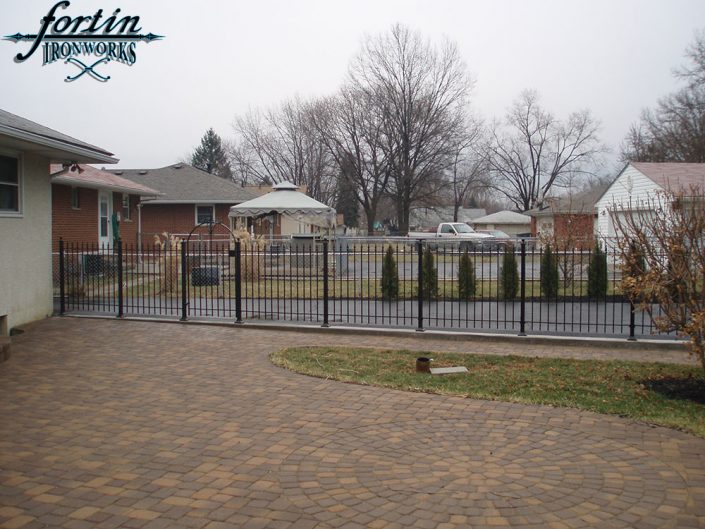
123,424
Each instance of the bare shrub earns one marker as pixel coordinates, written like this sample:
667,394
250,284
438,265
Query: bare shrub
662,246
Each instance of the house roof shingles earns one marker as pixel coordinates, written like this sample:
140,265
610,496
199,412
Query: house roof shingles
577,203
503,217
21,128
674,176
184,184
87,176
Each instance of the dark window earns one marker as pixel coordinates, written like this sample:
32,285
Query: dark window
205,214
125,206
75,198
9,185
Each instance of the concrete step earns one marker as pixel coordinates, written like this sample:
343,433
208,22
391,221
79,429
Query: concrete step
4,348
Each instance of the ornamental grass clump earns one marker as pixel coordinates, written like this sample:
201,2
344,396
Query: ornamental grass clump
251,255
169,261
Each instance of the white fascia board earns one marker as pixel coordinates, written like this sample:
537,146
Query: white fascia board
85,155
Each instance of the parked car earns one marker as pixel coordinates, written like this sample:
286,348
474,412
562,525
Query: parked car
499,239
457,234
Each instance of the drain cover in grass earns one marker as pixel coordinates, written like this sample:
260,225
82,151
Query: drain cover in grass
448,370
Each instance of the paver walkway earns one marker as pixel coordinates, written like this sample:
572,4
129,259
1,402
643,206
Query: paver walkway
121,424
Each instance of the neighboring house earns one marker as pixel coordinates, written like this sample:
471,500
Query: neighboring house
84,200
510,222
570,217
26,151
430,217
189,197
638,184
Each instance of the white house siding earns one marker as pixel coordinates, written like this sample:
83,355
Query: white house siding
630,190
25,250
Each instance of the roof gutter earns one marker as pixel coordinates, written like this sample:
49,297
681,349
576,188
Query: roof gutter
91,185
186,201
93,156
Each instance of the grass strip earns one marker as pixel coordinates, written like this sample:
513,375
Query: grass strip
664,394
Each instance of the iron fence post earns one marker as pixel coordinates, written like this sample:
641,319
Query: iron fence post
62,279
238,281
419,246
325,284
632,323
522,288
184,282
120,279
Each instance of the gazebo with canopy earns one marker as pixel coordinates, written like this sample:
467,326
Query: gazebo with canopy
286,201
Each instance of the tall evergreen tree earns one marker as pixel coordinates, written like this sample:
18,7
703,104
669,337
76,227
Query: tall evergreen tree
390,276
509,277
466,277
549,273
210,156
597,273
429,275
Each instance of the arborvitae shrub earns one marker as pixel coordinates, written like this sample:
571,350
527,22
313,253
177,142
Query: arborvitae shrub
390,276
597,273
466,277
549,273
509,277
429,275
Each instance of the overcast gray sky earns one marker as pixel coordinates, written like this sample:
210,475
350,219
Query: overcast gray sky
221,57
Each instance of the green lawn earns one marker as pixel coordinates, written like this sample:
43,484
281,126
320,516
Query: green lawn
664,394
311,288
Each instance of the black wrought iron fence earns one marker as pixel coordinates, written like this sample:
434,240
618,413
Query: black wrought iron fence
506,286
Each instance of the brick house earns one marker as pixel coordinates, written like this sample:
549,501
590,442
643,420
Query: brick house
26,151
84,200
572,217
188,197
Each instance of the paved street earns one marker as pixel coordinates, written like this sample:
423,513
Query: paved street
125,424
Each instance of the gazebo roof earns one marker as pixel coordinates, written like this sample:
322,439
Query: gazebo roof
285,199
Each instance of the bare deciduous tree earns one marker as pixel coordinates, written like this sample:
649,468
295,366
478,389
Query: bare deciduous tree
352,127
534,151
468,171
662,245
421,91
675,130
284,145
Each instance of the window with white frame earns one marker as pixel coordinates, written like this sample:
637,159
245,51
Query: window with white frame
76,198
10,185
125,206
205,213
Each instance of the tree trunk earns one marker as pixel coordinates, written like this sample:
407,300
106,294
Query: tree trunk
370,215
403,211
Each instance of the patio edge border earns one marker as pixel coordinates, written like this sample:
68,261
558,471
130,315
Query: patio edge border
534,339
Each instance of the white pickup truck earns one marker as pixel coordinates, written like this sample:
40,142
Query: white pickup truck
457,233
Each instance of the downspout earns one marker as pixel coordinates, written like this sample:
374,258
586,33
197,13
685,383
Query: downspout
139,231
